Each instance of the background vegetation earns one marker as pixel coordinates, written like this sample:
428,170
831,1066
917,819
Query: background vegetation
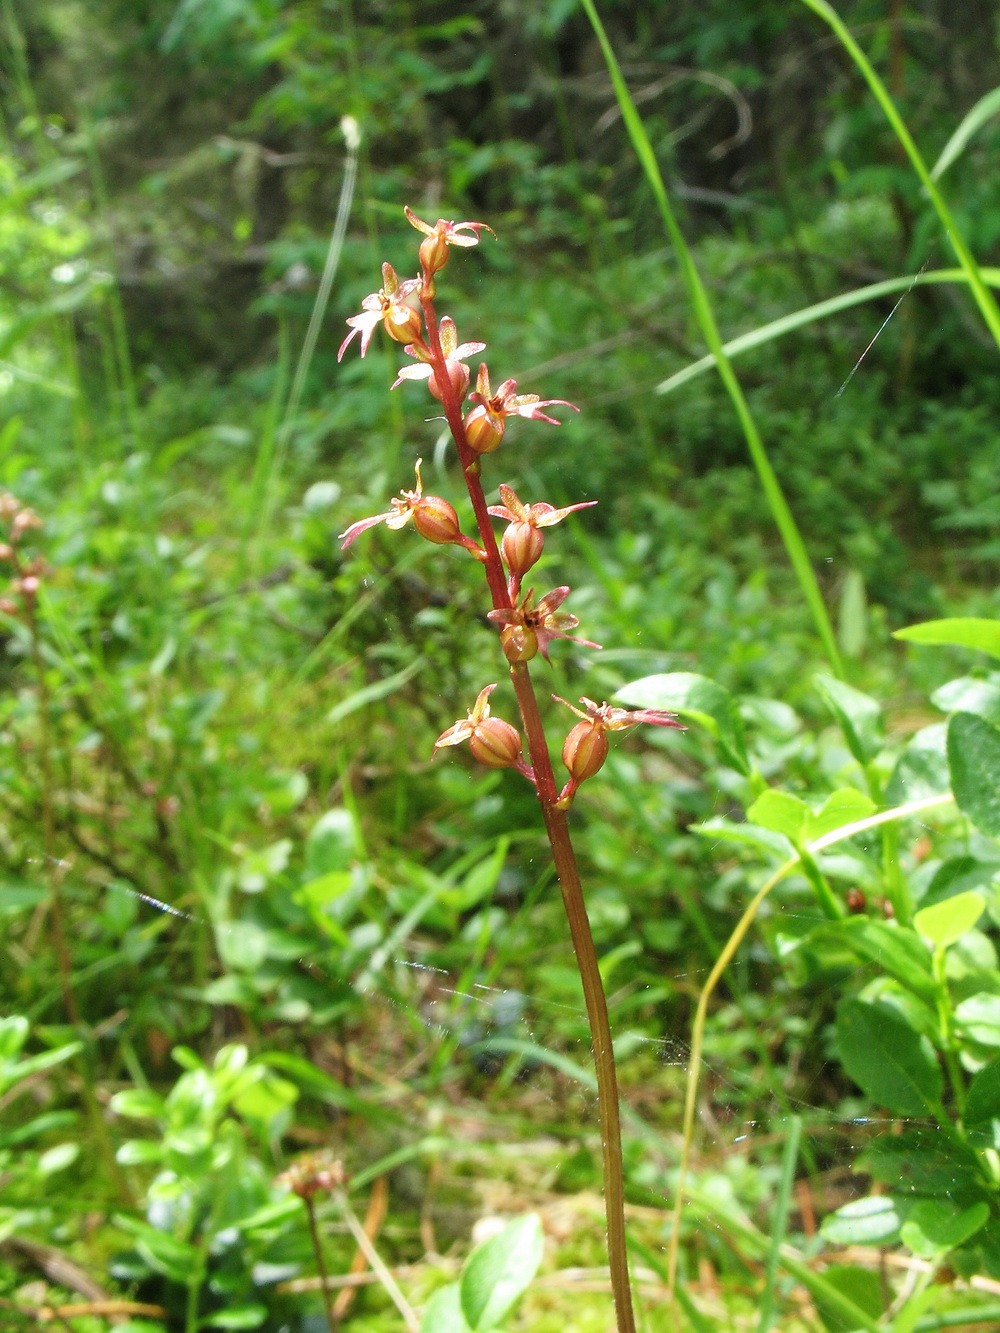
244,915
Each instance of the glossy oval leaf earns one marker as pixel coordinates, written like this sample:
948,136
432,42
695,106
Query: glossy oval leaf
781,812
948,921
887,1059
979,1018
983,1102
444,1312
696,699
872,1221
498,1272
859,717
974,762
933,1226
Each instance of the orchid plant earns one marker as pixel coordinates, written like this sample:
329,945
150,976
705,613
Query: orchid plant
527,626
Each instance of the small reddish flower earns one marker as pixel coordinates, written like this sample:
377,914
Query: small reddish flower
529,628
387,307
586,746
494,742
486,423
455,354
450,232
523,541
433,517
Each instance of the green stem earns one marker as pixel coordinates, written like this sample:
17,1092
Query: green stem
563,855
780,511
983,296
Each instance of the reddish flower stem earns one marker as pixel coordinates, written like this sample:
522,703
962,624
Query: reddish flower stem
563,855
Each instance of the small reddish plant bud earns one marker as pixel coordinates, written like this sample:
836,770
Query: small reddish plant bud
521,546
519,643
855,900
585,750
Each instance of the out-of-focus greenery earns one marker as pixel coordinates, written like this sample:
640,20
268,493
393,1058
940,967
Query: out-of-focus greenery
215,744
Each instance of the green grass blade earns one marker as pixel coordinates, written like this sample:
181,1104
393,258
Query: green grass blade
701,305
780,1220
777,328
984,297
985,109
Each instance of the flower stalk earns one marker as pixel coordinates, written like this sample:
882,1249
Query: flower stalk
526,627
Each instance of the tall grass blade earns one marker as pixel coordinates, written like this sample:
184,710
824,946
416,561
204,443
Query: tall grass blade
780,1220
701,305
777,328
985,109
985,300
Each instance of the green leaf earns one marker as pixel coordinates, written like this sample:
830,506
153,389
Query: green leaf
922,768
974,761
871,1221
977,116
840,808
922,1161
983,1102
237,1316
16,898
499,1271
746,835
860,1285
970,694
892,1064
242,945
444,1312
258,868
947,921
369,694
781,812
696,699
960,631
139,1152
933,1227
332,843
979,1018
900,952
859,717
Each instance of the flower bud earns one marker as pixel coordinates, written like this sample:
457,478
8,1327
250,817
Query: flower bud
519,643
496,743
521,546
436,520
484,433
584,751
434,252
402,323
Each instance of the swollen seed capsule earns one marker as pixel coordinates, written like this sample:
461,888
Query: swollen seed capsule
496,743
521,546
484,433
435,519
585,750
519,643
